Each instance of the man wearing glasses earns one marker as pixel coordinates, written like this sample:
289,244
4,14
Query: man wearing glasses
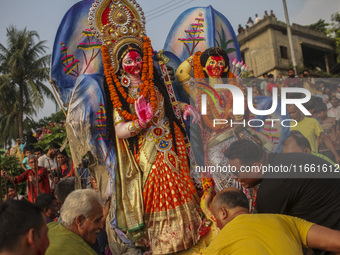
36,177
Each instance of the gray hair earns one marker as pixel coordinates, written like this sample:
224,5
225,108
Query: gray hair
31,156
78,202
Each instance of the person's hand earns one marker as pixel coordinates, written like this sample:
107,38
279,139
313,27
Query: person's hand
55,180
31,178
337,159
144,111
3,173
189,110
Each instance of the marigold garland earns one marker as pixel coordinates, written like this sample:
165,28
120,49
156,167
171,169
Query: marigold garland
146,88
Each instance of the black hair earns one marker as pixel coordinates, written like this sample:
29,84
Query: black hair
54,145
270,75
246,151
321,107
212,52
63,152
291,69
64,187
299,138
28,148
232,198
17,217
44,201
38,149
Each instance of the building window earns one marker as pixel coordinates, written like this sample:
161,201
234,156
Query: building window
283,51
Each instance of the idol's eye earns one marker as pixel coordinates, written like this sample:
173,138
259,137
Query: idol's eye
212,63
221,63
139,59
128,61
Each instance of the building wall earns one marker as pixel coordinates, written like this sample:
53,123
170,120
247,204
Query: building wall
260,46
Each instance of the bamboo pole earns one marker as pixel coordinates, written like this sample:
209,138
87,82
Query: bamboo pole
56,96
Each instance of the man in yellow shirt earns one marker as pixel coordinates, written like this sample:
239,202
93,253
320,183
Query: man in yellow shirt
263,234
311,129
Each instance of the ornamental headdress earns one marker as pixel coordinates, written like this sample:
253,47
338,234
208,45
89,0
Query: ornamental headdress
117,23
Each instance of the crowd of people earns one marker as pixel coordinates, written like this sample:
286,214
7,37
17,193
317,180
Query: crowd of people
251,22
323,128
150,203
303,211
41,170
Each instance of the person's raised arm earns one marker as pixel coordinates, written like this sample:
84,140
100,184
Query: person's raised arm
329,145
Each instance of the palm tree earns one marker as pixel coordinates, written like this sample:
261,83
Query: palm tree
23,69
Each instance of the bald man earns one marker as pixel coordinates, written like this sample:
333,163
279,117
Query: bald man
244,233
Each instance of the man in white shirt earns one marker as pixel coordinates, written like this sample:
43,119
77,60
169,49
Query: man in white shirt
257,18
49,161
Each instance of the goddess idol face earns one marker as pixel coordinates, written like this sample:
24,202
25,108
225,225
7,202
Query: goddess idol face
215,66
132,63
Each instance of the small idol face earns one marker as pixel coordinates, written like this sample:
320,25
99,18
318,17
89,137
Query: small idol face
132,63
215,66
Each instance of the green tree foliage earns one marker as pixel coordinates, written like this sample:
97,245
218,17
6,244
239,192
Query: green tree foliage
57,136
11,165
23,69
55,117
334,32
320,25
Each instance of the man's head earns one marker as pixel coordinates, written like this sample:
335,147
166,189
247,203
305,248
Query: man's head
305,73
23,228
321,111
334,101
296,142
294,112
64,188
32,161
244,154
82,213
227,204
38,152
256,91
53,150
62,157
265,75
48,205
27,151
291,73
271,78
11,192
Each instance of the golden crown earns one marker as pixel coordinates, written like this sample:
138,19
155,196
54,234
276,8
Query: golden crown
117,23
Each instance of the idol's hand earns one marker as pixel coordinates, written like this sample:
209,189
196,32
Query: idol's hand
189,110
144,111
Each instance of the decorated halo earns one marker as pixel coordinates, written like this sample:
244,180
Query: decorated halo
117,23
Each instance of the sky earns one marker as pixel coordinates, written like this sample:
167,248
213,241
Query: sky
44,16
